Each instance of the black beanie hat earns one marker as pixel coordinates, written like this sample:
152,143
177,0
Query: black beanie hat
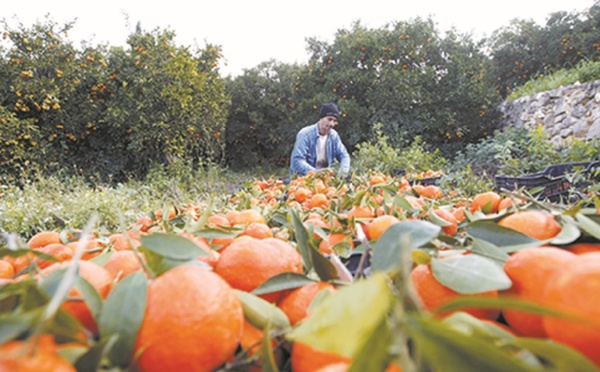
329,109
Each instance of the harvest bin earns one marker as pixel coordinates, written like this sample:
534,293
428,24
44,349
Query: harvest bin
552,182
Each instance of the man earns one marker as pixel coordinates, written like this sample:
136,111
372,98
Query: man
319,145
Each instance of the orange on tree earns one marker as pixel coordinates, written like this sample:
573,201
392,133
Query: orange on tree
43,238
433,294
487,201
529,269
35,354
248,262
573,290
295,304
193,322
97,276
533,223
379,225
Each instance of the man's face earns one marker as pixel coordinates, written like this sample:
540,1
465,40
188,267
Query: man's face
326,123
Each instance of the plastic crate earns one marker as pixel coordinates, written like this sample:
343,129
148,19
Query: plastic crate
552,181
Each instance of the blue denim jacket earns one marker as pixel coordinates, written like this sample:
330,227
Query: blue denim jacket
304,155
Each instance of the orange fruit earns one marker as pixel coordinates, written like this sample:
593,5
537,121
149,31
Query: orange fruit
144,223
33,355
92,249
251,341
431,192
379,225
57,250
248,262
361,212
245,217
193,322
459,214
318,200
218,220
97,276
581,248
295,303
43,238
305,358
535,224
326,244
257,230
302,194
120,242
122,263
508,202
529,269
447,216
480,201
573,290
433,294
377,179
7,271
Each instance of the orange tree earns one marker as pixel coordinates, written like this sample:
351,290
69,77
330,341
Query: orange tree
109,111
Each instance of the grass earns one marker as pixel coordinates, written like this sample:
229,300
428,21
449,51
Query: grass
54,202
585,71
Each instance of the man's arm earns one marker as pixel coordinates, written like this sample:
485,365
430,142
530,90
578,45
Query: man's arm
341,155
298,161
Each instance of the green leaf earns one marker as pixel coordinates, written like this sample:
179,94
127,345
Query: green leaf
172,246
123,314
91,297
501,236
159,264
16,324
342,322
401,202
564,358
588,225
470,274
323,267
268,363
568,234
446,349
404,235
374,354
302,240
90,361
436,219
489,250
260,312
281,282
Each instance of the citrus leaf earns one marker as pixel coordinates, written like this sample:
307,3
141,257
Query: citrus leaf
122,315
588,225
404,235
564,358
436,219
267,358
568,234
489,250
302,240
323,267
446,349
15,324
90,361
470,274
172,246
499,235
91,297
260,312
374,354
282,281
342,322
402,203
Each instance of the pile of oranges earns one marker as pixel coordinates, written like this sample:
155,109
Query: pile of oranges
195,318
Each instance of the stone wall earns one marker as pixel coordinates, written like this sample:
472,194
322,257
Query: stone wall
565,113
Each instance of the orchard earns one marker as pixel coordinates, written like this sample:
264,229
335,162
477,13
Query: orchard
366,273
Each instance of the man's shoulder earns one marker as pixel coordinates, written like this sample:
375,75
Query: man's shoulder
307,129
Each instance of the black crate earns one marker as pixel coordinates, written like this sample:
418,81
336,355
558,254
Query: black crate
552,181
